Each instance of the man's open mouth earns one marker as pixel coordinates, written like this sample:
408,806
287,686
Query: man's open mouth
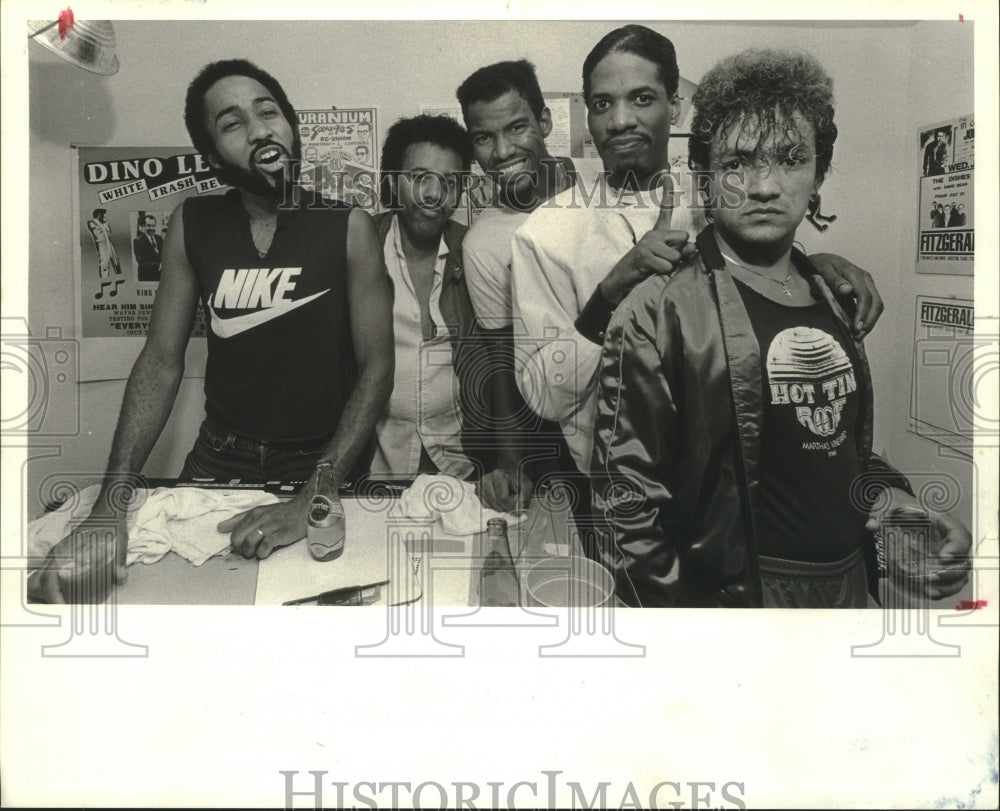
268,155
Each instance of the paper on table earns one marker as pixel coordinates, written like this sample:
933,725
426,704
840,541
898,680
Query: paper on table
371,553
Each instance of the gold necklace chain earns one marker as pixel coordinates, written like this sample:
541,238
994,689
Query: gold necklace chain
782,282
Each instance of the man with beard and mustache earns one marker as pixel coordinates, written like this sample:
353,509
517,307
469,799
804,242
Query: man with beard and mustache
299,312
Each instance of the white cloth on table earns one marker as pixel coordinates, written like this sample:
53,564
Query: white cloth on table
181,519
452,501
184,519
46,531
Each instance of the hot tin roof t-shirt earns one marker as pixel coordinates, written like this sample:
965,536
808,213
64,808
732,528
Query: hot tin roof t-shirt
809,458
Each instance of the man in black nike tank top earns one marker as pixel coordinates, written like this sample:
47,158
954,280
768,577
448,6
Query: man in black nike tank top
299,308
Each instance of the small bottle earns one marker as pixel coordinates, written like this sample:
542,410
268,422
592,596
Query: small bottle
326,517
496,531
498,581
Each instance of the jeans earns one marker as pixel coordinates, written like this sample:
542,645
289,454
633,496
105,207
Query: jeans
222,455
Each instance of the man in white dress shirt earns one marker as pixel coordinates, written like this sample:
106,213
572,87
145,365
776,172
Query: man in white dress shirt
434,421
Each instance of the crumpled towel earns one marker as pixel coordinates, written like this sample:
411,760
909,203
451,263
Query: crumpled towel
182,519
452,501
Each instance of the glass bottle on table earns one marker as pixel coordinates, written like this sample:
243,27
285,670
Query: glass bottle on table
327,527
498,582
496,531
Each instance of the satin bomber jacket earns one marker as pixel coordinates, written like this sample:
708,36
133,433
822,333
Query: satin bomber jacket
677,438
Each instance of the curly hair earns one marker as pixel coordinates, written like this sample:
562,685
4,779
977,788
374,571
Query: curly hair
641,41
439,130
493,81
194,104
760,91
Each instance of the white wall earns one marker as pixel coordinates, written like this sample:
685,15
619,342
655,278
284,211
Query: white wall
941,88
883,95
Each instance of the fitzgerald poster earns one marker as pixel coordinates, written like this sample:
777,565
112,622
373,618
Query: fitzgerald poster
946,234
945,356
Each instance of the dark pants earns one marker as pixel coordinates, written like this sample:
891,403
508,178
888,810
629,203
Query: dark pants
800,584
223,455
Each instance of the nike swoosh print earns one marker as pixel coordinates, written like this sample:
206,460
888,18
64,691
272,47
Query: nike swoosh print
229,327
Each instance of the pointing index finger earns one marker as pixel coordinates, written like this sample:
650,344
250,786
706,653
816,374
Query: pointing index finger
663,217
663,195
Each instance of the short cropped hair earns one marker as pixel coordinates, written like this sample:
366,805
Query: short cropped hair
194,104
99,211
764,89
641,41
439,130
491,82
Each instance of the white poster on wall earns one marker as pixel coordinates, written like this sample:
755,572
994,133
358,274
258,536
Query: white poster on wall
945,355
946,231
124,200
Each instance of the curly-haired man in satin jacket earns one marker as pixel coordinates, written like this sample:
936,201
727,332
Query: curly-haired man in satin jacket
733,445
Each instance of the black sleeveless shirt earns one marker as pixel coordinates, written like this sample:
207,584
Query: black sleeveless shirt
281,360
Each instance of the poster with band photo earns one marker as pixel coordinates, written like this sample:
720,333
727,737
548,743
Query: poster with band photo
125,197
946,230
340,157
